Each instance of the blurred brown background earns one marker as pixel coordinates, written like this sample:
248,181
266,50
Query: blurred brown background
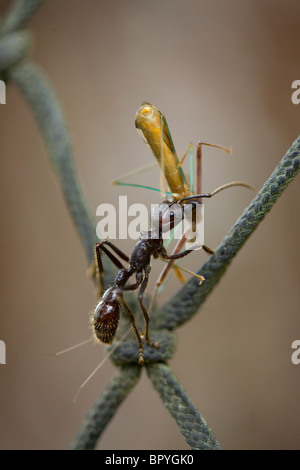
220,72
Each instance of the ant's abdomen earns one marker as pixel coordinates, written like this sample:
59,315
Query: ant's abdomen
106,320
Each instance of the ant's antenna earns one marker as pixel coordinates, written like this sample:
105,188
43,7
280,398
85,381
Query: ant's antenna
75,346
116,345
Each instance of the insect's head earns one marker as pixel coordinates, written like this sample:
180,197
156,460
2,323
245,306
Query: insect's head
148,122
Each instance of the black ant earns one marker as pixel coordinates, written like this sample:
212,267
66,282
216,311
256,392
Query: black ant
164,218
107,312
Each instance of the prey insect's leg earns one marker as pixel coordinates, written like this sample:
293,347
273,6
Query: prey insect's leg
199,161
137,335
190,147
199,174
198,276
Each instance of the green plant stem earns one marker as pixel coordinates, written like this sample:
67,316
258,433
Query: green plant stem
14,47
19,12
42,100
105,407
192,425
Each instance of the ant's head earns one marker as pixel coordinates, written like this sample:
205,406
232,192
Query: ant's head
166,216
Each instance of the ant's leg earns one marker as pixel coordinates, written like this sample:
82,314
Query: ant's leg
143,283
208,250
165,272
132,286
98,270
145,333
179,255
117,250
99,247
137,335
